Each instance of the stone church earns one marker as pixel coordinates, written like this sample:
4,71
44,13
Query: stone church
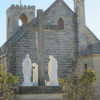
58,31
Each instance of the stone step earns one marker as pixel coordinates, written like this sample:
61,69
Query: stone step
54,96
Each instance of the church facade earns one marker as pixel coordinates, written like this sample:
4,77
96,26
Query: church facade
71,36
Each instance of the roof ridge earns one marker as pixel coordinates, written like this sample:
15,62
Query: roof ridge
54,4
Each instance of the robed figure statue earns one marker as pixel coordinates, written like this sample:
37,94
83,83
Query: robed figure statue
27,71
35,74
52,71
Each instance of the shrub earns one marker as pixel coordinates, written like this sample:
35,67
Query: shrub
7,84
79,87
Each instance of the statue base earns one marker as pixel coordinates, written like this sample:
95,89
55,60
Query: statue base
35,84
27,84
52,84
40,89
40,93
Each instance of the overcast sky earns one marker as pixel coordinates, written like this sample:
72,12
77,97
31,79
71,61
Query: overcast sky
92,13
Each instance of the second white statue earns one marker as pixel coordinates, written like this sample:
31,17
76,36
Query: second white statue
52,71
35,74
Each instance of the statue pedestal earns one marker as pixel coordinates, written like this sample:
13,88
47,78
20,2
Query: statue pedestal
40,89
52,84
40,93
24,84
36,84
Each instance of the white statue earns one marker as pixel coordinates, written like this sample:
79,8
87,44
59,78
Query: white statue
52,71
26,69
35,74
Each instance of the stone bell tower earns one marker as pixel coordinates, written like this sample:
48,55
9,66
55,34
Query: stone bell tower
79,9
16,12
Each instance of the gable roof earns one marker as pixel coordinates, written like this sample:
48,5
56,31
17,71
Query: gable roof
66,6
89,32
93,49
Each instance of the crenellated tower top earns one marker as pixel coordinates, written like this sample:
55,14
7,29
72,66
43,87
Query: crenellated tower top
16,12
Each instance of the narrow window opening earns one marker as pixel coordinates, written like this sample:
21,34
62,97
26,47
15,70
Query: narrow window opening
60,24
85,65
9,23
22,20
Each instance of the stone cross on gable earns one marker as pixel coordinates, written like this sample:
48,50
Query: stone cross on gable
39,28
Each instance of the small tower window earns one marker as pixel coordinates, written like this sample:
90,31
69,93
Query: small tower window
23,19
85,65
20,22
9,23
60,24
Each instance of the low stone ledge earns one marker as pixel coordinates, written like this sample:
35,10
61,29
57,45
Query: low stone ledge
58,96
40,90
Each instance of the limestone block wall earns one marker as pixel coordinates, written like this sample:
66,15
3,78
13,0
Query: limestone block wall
86,60
92,61
26,44
58,45
79,8
3,62
61,44
96,59
11,58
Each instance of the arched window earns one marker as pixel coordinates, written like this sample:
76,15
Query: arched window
23,19
60,24
9,23
20,22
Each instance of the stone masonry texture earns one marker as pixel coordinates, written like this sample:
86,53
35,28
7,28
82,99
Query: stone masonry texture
62,44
